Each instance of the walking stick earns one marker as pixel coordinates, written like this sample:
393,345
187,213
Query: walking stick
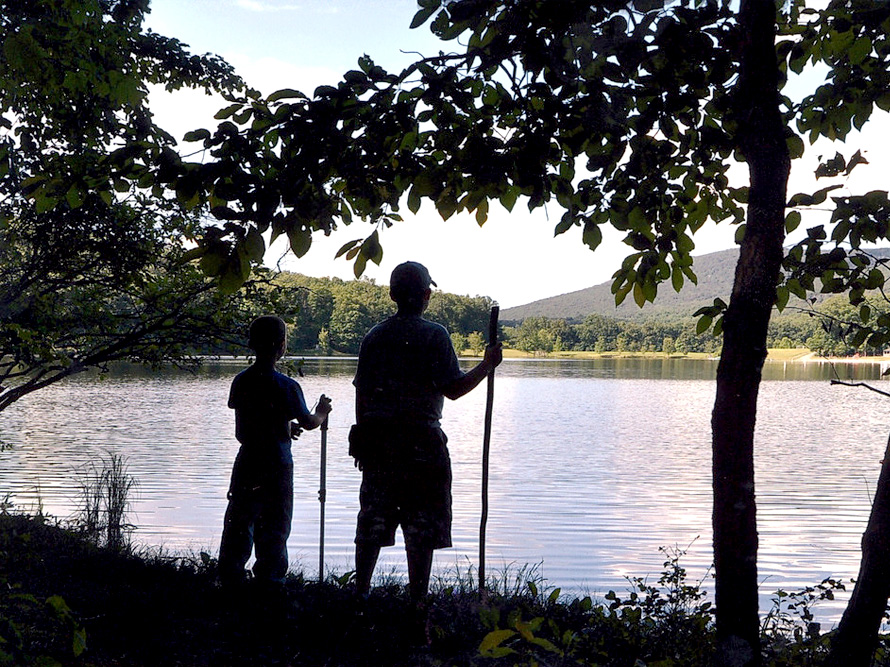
322,496
486,440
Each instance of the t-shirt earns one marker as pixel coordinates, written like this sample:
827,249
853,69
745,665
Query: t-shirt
403,365
265,401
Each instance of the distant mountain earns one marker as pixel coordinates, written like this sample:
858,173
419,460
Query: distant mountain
715,273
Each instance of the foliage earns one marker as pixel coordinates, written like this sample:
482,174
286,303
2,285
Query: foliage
346,309
538,106
35,629
829,329
851,39
92,238
77,130
95,307
663,623
596,333
459,343
476,342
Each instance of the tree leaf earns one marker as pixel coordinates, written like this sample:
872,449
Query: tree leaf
425,12
639,295
227,112
494,640
703,324
782,296
677,279
300,240
254,245
285,93
346,247
508,198
592,235
197,135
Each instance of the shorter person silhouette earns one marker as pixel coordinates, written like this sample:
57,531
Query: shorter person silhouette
261,490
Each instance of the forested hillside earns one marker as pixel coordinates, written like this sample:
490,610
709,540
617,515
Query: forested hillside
332,315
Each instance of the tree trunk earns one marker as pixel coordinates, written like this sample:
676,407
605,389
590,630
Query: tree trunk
857,635
761,140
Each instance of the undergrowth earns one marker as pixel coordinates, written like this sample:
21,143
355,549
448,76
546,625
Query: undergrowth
67,601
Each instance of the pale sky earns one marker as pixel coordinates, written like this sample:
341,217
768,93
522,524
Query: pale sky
302,44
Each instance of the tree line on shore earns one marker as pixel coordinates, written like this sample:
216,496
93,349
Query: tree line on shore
829,330
331,315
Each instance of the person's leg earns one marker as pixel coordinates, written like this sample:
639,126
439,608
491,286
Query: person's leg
420,564
237,541
426,507
273,527
366,555
375,525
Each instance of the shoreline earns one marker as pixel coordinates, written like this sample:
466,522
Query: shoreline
773,355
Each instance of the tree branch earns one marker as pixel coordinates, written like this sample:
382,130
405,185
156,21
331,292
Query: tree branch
861,384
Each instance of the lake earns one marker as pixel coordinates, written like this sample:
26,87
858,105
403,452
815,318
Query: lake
595,465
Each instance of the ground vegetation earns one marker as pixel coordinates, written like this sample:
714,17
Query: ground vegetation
67,601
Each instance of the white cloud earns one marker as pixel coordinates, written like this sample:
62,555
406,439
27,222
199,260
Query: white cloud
269,74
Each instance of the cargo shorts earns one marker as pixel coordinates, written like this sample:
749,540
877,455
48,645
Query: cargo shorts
406,481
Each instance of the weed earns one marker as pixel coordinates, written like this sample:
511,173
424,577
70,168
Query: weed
104,493
790,634
512,580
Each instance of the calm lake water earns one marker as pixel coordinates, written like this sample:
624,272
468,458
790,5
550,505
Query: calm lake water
595,465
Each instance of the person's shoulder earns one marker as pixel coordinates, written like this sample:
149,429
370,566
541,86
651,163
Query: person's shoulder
283,379
381,329
435,328
242,376
240,387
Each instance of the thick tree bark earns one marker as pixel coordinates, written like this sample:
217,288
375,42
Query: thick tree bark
762,141
857,635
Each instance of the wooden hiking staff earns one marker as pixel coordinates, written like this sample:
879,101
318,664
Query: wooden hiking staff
486,442
322,495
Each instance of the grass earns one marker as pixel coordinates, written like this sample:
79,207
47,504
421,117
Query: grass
104,500
67,601
793,354
510,353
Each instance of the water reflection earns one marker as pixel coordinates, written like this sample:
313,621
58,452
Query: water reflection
595,464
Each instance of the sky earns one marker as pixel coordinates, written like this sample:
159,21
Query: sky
514,258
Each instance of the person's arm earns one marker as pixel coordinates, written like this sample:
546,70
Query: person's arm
359,405
300,412
464,384
311,420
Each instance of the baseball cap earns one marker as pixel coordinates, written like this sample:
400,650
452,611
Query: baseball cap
410,277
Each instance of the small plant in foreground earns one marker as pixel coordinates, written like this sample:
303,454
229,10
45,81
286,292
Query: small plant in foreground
791,636
105,498
666,622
